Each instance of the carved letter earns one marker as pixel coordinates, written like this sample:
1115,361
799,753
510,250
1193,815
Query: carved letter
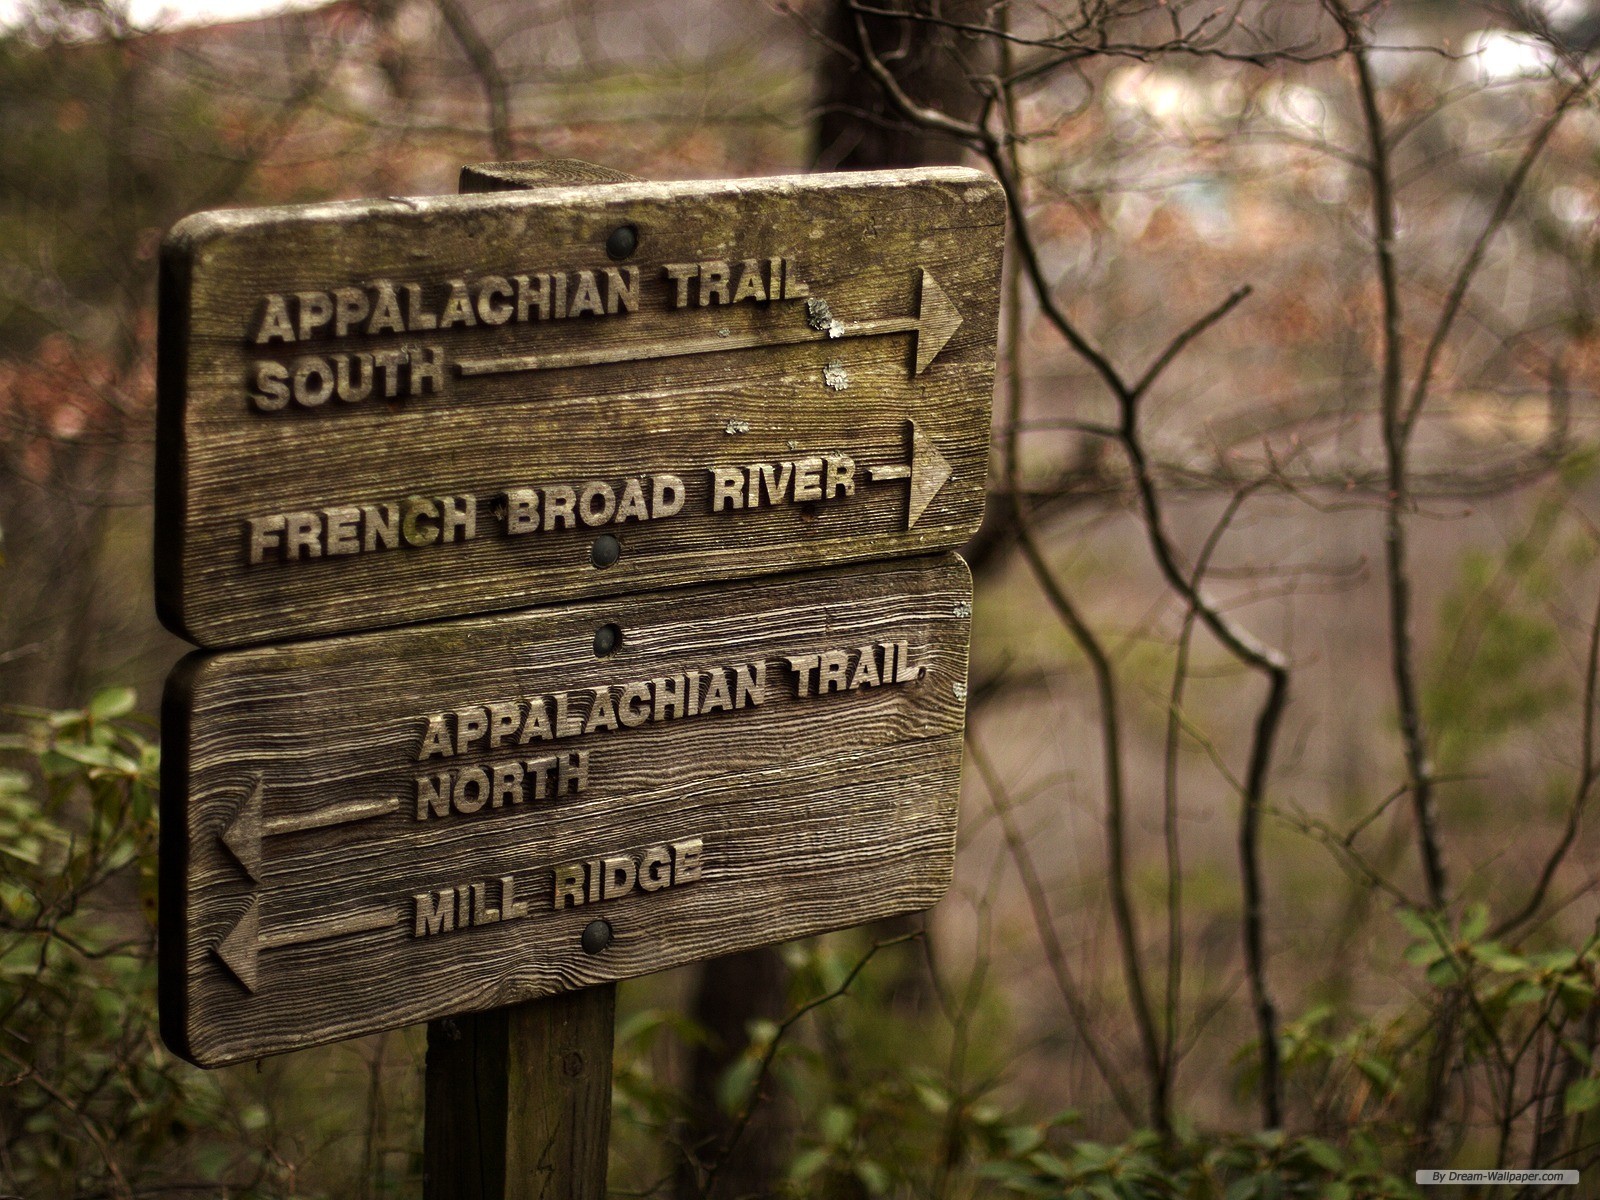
830,676
558,505
436,741
727,488
667,496
522,510
504,720
305,392
680,274
533,295
436,914
264,533
416,318
482,914
807,480
537,724
866,672
388,364
489,312
572,772
668,697
904,670
433,795
655,869
713,282
803,665
622,289
411,528
275,322
471,725
427,369
339,530
350,308
510,907
507,784
386,316
593,514
568,723
748,687
458,518
480,789
717,698
629,711
585,296
632,503
458,308
316,310
272,387
749,286
302,535
620,873
686,856
602,713
380,526
841,476
569,887
350,391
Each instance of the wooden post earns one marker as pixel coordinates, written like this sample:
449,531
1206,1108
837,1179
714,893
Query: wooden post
519,1100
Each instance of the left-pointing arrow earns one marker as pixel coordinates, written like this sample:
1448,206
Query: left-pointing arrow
243,835
240,949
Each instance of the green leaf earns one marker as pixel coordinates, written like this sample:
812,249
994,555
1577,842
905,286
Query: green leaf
1378,1071
1417,925
1444,972
1023,1139
873,1177
1324,1155
736,1083
1496,959
806,1164
837,1123
1581,1096
111,703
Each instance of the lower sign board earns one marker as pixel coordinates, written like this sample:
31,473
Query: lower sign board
380,829
384,411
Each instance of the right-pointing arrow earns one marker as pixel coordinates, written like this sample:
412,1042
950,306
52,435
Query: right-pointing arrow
937,321
928,470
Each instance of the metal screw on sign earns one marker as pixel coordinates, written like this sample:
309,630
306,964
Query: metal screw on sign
606,639
596,936
624,240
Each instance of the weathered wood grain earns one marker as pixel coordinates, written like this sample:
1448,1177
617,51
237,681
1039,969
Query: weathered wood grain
518,1100
292,845
903,261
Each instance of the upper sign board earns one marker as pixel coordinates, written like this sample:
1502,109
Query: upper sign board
369,831
379,412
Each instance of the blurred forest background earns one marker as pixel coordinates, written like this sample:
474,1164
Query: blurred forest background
1274,876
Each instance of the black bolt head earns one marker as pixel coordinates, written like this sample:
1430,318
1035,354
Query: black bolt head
624,240
606,550
606,639
596,936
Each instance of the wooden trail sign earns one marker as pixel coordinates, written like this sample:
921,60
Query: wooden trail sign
370,831
384,411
